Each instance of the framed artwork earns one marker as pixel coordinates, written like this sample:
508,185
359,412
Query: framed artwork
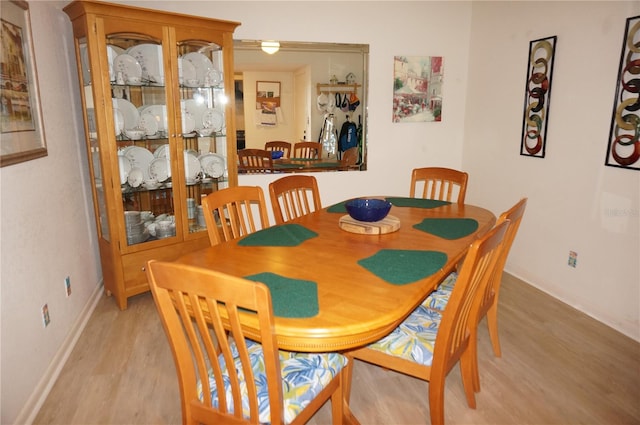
417,88
268,95
21,124
624,136
537,96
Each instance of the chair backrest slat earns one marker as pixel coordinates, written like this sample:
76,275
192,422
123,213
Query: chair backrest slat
229,213
308,150
279,145
253,161
514,216
439,183
208,316
294,196
475,273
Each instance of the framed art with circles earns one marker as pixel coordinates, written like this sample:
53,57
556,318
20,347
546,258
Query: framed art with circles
537,96
624,136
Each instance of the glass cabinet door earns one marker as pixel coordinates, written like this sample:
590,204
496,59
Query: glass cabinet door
203,104
142,136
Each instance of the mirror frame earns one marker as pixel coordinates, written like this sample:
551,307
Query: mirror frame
320,81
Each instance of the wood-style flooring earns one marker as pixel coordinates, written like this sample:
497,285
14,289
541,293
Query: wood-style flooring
558,366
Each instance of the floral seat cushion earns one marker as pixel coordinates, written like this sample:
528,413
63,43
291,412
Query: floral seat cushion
414,339
304,375
439,298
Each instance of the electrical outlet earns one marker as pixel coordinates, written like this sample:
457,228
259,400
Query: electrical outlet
573,259
46,319
67,285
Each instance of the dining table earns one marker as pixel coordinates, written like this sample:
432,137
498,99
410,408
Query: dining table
334,288
337,284
297,165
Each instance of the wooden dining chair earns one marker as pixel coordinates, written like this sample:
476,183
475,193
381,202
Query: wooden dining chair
349,160
439,183
488,304
294,196
279,145
230,213
307,150
214,320
253,161
428,344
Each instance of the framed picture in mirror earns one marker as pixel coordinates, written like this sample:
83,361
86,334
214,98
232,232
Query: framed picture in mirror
267,95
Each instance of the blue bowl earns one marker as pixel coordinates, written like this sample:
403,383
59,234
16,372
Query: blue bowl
366,209
276,154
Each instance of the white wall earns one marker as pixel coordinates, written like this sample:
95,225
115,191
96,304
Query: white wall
47,229
575,202
481,80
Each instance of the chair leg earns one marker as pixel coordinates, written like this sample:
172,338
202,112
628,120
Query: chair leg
492,323
467,372
337,407
472,352
347,373
436,399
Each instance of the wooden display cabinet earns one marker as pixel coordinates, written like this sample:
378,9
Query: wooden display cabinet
158,107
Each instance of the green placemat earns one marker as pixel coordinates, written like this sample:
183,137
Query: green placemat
291,298
402,266
417,202
322,164
286,166
448,228
338,208
281,235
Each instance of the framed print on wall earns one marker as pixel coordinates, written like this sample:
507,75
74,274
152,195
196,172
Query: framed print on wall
21,127
537,96
624,136
417,88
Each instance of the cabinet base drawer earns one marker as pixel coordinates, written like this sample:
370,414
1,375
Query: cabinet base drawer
134,265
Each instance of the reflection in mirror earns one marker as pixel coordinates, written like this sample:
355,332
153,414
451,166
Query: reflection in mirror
322,92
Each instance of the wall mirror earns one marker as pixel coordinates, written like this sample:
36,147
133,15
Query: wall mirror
320,86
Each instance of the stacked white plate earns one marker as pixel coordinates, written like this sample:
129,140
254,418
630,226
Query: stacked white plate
165,229
136,231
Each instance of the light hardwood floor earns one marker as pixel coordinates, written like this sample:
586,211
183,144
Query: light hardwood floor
558,367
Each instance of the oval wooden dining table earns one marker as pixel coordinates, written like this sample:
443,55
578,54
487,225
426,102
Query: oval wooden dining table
349,305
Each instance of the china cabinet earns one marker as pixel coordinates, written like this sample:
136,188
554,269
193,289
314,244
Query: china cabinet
158,100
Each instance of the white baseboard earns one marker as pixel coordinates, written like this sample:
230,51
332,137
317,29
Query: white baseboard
631,333
31,408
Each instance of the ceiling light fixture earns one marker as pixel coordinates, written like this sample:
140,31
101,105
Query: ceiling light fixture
270,47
